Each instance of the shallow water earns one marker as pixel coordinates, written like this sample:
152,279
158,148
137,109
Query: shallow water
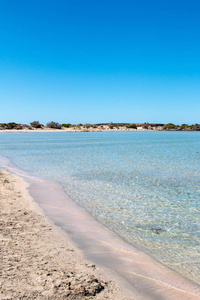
132,182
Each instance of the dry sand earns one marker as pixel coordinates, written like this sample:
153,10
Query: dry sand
37,260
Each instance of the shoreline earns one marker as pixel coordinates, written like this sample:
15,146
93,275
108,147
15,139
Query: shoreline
70,130
133,270
90,130
36,126
38,259
146,285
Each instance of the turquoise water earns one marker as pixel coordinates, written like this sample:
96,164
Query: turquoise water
132,182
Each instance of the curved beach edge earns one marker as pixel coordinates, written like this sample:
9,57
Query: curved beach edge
38,259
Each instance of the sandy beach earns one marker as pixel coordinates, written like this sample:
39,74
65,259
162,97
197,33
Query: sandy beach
38,261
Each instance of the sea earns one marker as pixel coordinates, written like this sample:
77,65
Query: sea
144,186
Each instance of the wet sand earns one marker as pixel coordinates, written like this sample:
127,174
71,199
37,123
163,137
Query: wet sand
38,261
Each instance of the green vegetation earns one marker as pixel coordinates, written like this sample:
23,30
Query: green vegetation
12,125
101,126
145,126
183,126
170,126
53,125
195,127
66,125
112,125
132,126
79,126
36,124
87,126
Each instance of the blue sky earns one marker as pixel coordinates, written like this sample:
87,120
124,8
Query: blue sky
99,61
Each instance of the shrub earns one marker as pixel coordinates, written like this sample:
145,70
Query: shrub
195,127
145,127
169,126
79,125
111,125
183,126
132,126
54,125
11,125
36,124
66,125
87,126
3,125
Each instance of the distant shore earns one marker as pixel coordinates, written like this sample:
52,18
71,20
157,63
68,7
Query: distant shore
69,130
54,126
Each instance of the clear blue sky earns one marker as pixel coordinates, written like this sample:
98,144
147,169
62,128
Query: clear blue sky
94,61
